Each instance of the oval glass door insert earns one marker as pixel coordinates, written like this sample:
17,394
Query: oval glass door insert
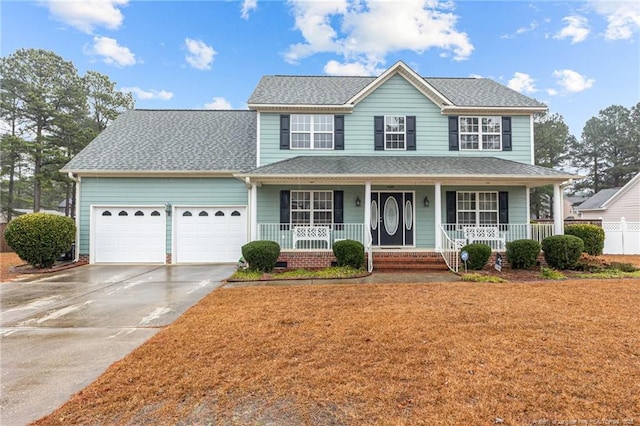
408,215
391,216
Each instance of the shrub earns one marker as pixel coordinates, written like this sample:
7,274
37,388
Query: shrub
261,255
349,253
562,251
590,263
623,267
478,255
551,274
40,238
591,235
523,254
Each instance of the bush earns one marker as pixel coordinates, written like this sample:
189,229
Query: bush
623,267
591,235
40,238
478,255
562,251
349,253
261,255
523,254
590,263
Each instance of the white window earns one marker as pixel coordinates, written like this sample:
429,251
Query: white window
394,132
311,207
480,133
311,131
477,208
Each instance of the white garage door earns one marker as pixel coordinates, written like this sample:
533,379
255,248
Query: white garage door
129,235
209,234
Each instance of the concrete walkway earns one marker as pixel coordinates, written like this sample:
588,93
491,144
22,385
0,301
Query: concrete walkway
60,332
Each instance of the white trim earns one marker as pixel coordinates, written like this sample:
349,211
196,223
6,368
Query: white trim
253,211
558,217
153,173
258,139
512,110
527,201
342,109
408,74
533,140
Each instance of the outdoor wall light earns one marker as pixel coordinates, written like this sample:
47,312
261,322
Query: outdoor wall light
426,201
167,208
357,201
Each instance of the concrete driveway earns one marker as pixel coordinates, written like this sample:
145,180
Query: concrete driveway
60,332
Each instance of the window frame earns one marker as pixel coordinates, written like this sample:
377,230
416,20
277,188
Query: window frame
480,133
312,207
390,133
477,211
312,132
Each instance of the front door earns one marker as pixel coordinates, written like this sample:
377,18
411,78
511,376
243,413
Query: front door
392,218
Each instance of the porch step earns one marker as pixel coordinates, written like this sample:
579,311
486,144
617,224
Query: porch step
411,262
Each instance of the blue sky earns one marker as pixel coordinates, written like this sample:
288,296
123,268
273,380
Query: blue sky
577,57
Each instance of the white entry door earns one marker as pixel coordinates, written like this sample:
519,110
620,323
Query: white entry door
129,234
209,234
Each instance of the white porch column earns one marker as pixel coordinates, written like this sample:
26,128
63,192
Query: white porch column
253,211
437,205
367,213
558,216
527,201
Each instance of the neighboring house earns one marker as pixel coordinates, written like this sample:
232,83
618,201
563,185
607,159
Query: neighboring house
614,203
402,163
570,202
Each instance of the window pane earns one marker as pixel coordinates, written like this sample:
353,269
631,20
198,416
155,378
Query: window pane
469,124
300,123
300,140
488,218
394,123
323,140
395,141
491,125
323,123
468,141
490,141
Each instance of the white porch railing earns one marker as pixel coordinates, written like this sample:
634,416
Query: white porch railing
449,251
285,235
505,233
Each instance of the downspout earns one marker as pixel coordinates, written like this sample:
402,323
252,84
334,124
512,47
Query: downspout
77,180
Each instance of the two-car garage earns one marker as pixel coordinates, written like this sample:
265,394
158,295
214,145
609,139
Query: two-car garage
138,234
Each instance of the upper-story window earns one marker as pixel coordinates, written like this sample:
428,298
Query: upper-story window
311,131
394,132
480,133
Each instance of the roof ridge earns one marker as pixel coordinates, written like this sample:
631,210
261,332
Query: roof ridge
189,110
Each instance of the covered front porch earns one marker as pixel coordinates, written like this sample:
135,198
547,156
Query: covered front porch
405,210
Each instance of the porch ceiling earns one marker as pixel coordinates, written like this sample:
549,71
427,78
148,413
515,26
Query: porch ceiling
404,170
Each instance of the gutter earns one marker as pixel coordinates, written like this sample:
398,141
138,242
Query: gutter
77,180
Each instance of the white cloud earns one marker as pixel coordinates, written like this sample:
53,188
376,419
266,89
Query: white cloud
572,81
248,6
200,54
86,15
532,26
354,68
112,53
148,94
365,31
552,92
522,83
577,29
218,103
623,18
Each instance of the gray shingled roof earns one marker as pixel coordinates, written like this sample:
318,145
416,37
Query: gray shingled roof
172,140
404,166
329,90
596,201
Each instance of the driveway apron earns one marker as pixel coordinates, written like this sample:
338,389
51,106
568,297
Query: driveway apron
60,332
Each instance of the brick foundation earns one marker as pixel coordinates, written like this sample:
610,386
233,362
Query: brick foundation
83,258
307,259
168,259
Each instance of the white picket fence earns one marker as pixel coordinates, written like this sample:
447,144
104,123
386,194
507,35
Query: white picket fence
621,237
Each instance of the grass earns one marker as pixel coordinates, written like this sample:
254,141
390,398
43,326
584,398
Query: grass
551,274
432,354
610,273
333,272
478,278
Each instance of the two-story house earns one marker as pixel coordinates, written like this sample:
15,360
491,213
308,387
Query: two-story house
402,163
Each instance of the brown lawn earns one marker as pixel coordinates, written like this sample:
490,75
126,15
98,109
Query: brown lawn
7,261
434,354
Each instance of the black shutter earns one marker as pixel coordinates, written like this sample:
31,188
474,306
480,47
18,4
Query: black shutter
284,132
506,133
453,133
503,207
338,207
338,132
451,207
411,132
284,210
378,129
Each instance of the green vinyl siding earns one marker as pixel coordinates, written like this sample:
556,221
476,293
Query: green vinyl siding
395,97
109,191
